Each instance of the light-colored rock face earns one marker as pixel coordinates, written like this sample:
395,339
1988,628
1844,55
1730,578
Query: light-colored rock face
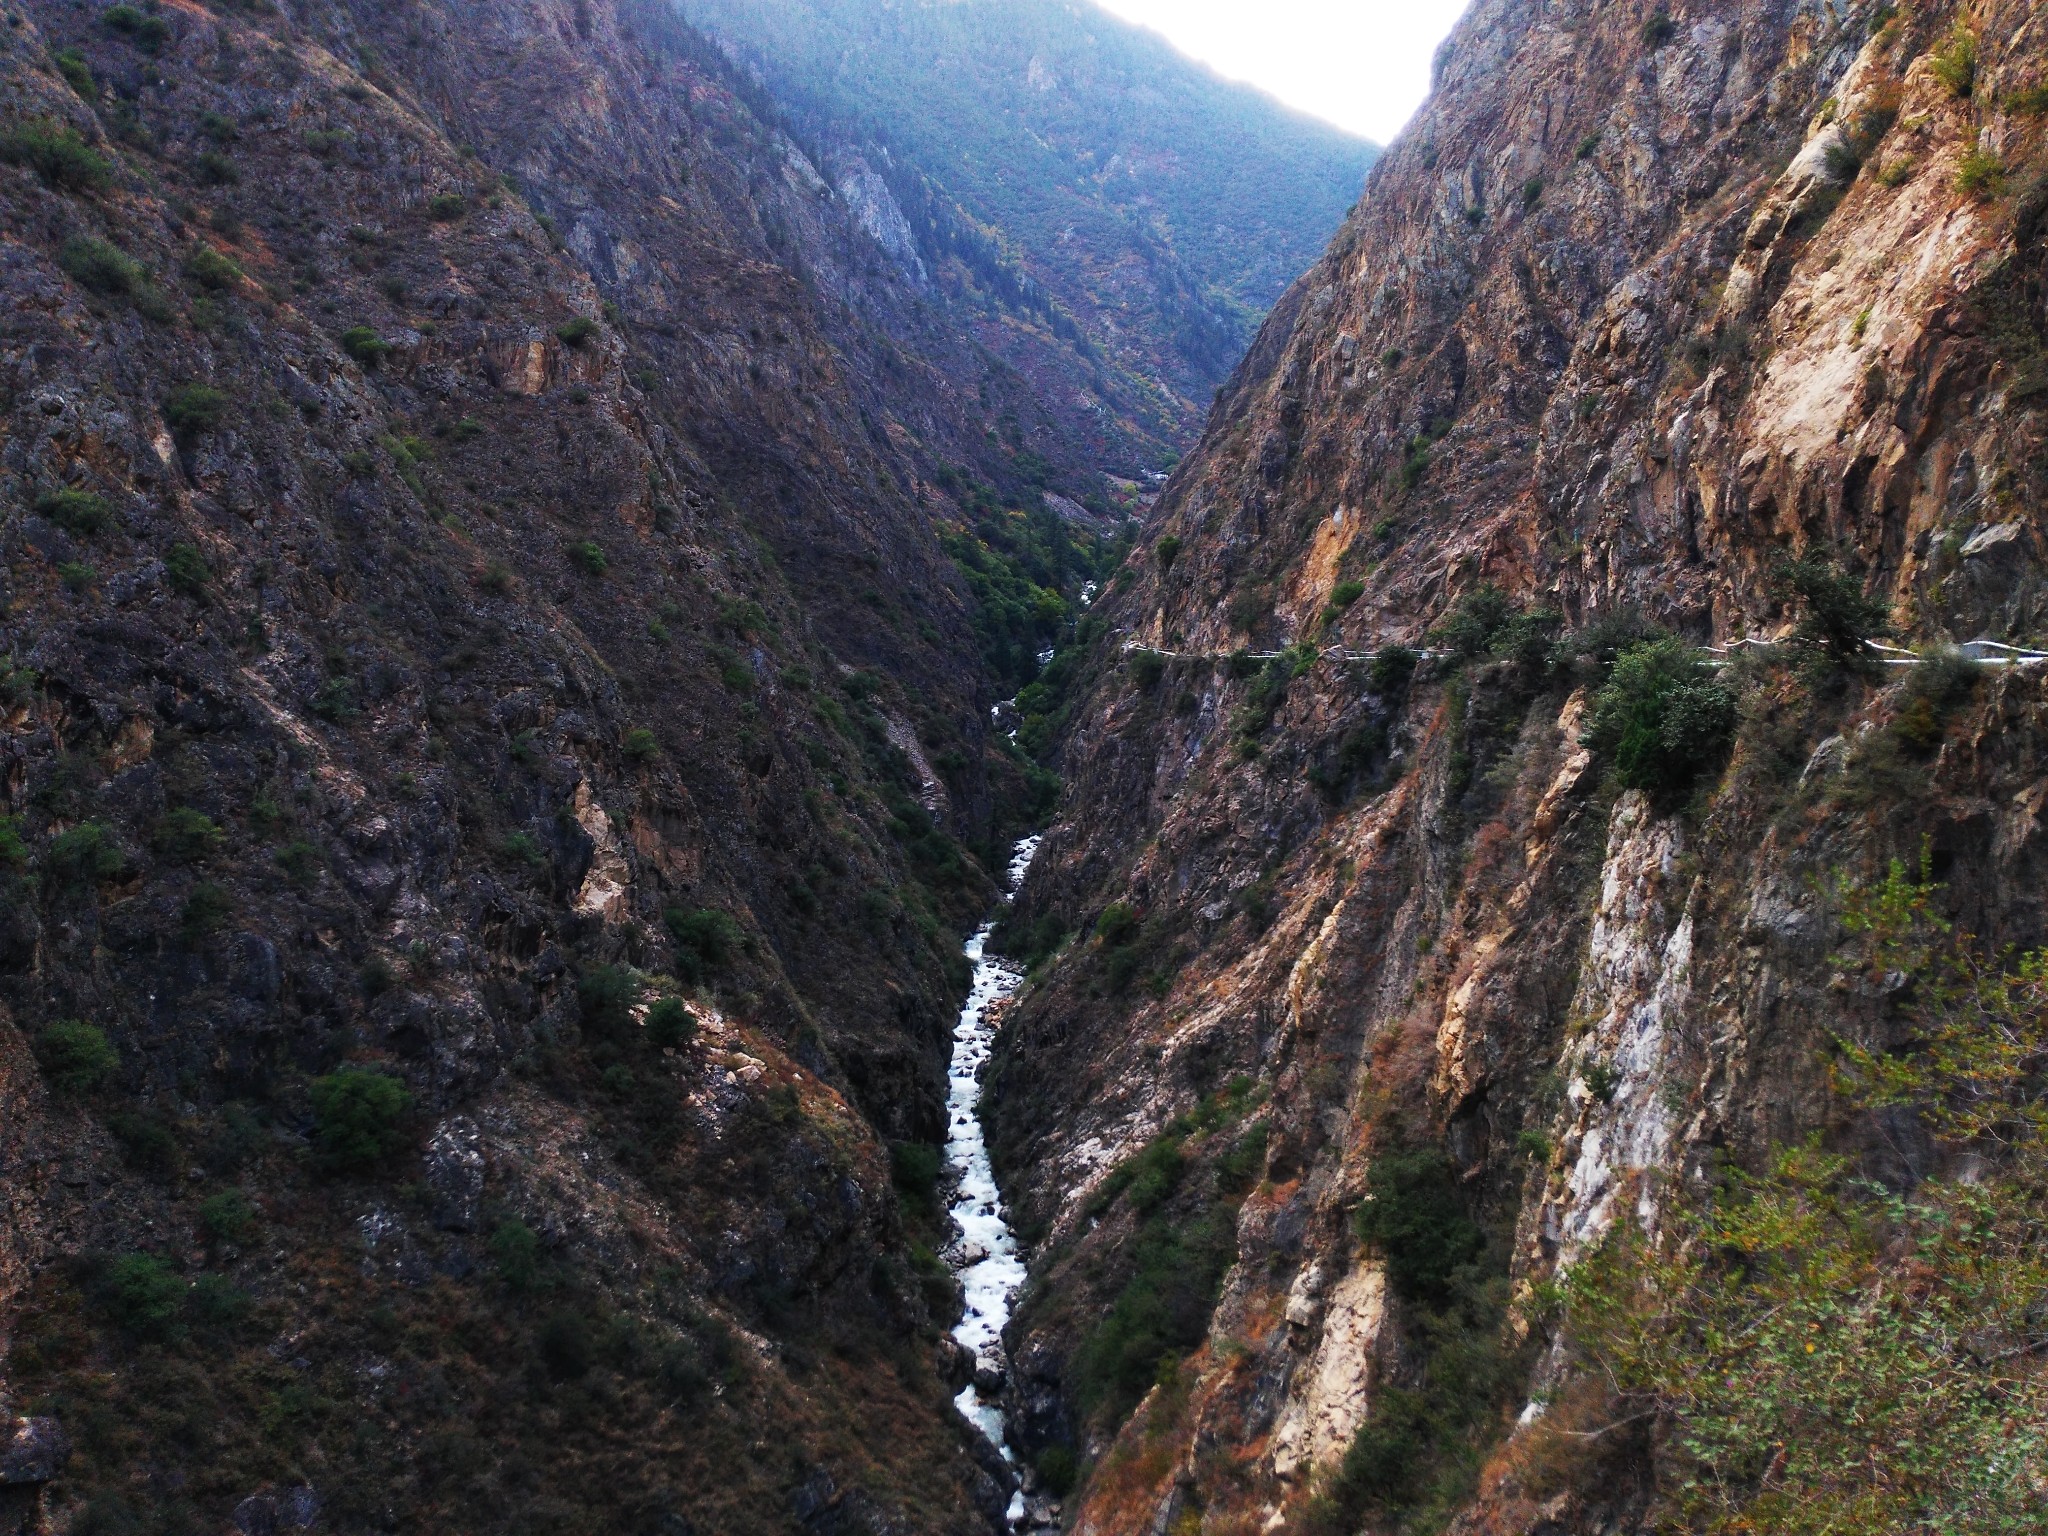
1316,1426
1619,325
1634,988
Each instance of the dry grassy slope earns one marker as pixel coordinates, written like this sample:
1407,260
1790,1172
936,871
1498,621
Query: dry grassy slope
386,612
1609,330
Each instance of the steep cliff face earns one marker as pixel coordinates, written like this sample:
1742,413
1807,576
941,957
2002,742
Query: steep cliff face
493,743
1644,305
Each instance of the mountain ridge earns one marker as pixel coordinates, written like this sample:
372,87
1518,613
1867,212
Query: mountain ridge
1148,198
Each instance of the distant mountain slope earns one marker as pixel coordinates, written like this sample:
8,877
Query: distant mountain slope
1160,209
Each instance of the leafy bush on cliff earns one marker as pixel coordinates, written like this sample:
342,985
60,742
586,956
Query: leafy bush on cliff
1414,1214
145,29
227,1216
1832,1353
670,1025
1954,63
143,1296
1837,620
1662,718
186,836
81,857
58,155
1185,1241
192,410
362,343
76,1057
76,512
358,1119
101,267
707,940
1488,623
76,72
607,996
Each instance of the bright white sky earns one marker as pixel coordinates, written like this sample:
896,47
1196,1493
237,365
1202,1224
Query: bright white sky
1361,64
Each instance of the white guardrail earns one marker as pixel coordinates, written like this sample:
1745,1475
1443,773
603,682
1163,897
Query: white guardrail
1988,653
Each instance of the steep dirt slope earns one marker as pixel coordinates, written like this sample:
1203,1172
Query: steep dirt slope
492,731
1644,304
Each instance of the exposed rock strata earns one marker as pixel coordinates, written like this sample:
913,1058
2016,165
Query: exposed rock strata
1618,326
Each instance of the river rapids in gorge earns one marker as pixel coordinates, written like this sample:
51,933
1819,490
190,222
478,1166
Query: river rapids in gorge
985,1256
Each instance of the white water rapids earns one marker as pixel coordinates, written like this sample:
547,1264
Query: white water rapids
986,1257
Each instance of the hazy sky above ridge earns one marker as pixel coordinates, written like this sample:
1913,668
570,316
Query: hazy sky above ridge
1361,64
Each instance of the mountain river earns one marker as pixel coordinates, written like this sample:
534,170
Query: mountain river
985,1256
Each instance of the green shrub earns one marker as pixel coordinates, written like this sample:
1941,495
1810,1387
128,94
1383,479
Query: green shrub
515,1250
215,169
186,570
914,1168
1166,551
101,267
1588,147
210,269
76,1057
76,575
76,72
1943,679
228,1217
186,835
335,701
205,911
82,857
1414,1213
1658,30
358,1118
145,29
1162,1310
577,331
1662,717
607,996
1839,621
1347,593
1392,667
1058,1470
523,848
365,345
147,1143
76,512
1486,622
670,1025
1980,173
706,941
300,860
13,851
216,1302
143,1296
59,156
640,745
1954,63
589,557
1146,668
445,207
191,410
1118,924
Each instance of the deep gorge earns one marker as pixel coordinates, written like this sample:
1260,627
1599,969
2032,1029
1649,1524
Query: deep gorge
536,614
